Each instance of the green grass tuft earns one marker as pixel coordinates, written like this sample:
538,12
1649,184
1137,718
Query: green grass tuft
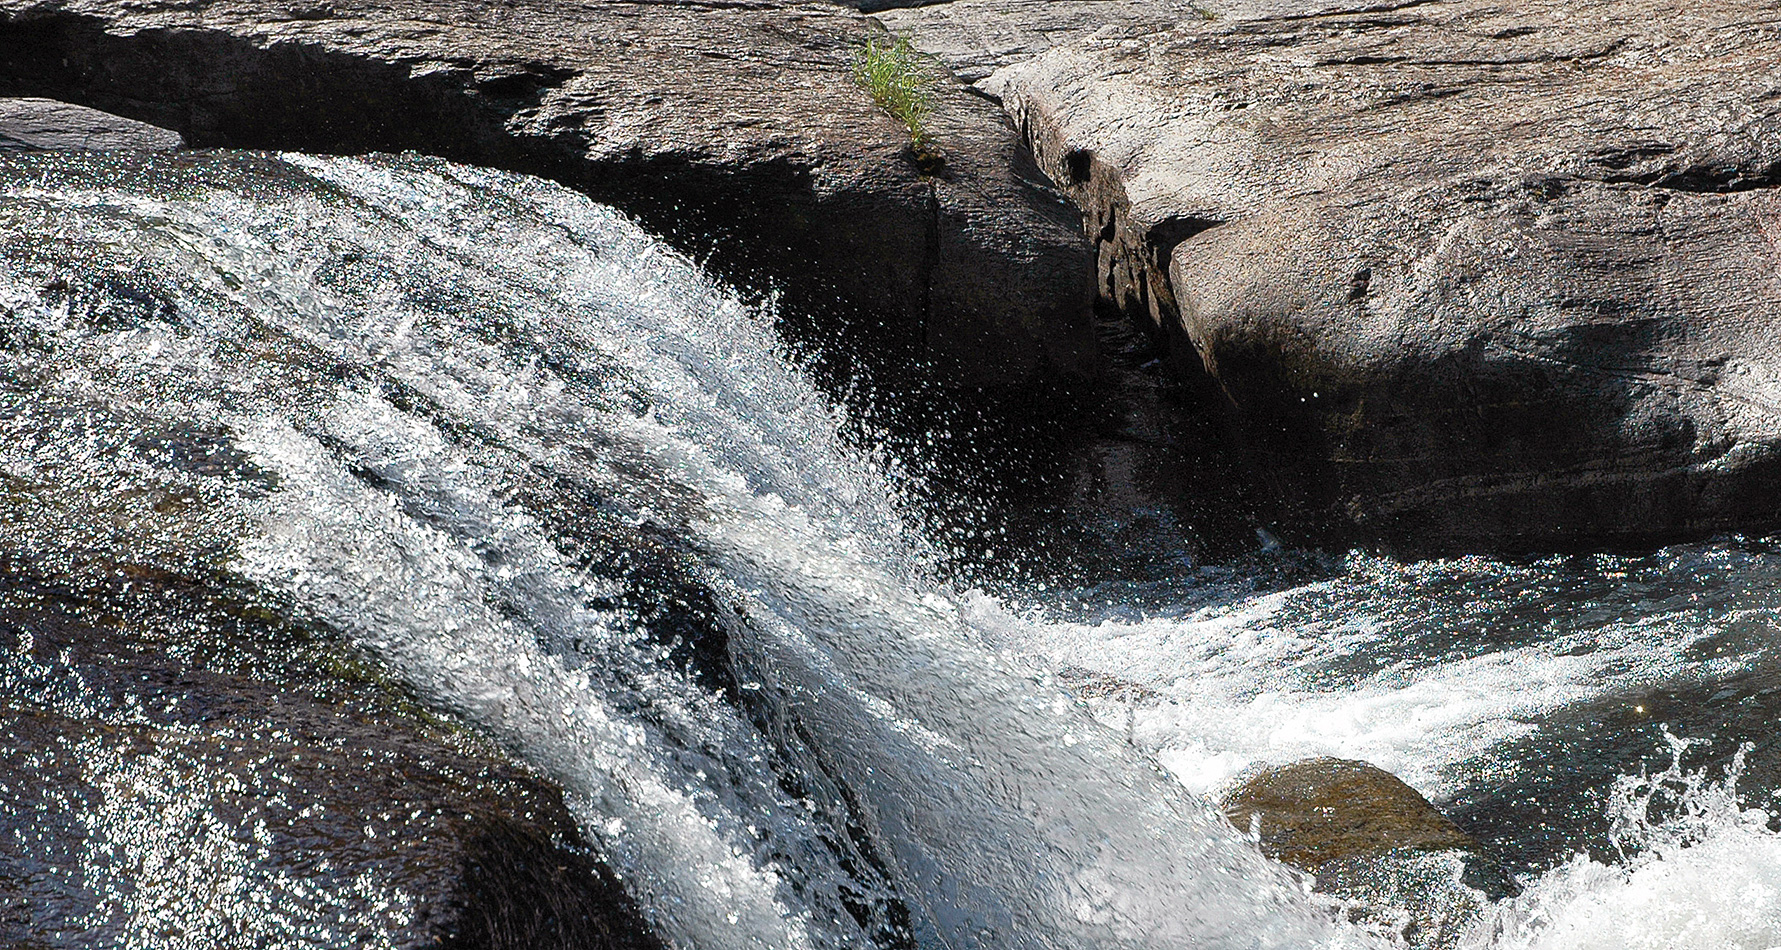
892,73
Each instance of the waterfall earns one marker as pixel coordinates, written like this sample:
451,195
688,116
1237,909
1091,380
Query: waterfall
507,443
467,386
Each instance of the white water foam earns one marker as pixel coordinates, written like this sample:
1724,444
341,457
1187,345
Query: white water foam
576,349
1011,819
1709,875
1324,670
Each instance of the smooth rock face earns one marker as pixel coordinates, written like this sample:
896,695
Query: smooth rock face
737,129
182,765
1368,838
974,38
1462,275
1325,809
46,123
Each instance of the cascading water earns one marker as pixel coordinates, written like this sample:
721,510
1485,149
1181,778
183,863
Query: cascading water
504,441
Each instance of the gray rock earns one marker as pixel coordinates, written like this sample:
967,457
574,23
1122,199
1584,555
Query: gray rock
977,37
48,124
1460,275
736,129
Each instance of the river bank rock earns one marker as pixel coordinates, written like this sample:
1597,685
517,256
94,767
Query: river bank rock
736,129
974,38
1460,276
46,123
184,766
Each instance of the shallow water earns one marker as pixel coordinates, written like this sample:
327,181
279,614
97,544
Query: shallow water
566,488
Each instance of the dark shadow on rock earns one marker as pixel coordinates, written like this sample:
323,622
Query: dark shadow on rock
521,891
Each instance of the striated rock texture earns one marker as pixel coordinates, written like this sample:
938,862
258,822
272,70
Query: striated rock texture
974,38
735,128
47,124
1461,275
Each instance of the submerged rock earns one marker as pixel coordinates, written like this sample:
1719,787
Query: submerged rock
1460,276
736,129
46,123
1373,842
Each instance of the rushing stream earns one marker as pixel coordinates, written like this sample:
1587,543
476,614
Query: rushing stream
566,488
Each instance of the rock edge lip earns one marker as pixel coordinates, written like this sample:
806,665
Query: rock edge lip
33,123
1459,278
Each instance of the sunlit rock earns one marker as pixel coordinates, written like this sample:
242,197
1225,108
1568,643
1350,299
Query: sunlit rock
737,130
46,123
1325,809
1460,276
1371,841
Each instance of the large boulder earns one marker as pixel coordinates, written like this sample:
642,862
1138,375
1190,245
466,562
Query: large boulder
736,129
1459,274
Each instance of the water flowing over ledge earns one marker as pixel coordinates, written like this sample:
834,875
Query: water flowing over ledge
513,447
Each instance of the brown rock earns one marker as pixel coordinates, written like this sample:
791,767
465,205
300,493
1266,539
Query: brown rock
1460,275
184,762
1375,843
1325,809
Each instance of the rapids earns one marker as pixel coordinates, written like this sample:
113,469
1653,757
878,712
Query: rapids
567,488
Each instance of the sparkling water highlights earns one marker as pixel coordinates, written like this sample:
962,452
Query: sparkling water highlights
566,488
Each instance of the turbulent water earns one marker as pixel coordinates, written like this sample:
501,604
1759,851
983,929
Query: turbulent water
570,490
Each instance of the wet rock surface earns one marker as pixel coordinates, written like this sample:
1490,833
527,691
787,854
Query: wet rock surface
1461,276
736,129
48,124
1321,810
1370,840
183,764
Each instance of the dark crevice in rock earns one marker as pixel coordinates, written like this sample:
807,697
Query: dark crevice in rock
1165,235
270,100
1625,156
1078,161
1361,284
1532,60
1347,11
1161,428
1718,180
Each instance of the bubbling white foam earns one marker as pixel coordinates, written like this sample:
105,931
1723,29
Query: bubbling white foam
1707,877
513,335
